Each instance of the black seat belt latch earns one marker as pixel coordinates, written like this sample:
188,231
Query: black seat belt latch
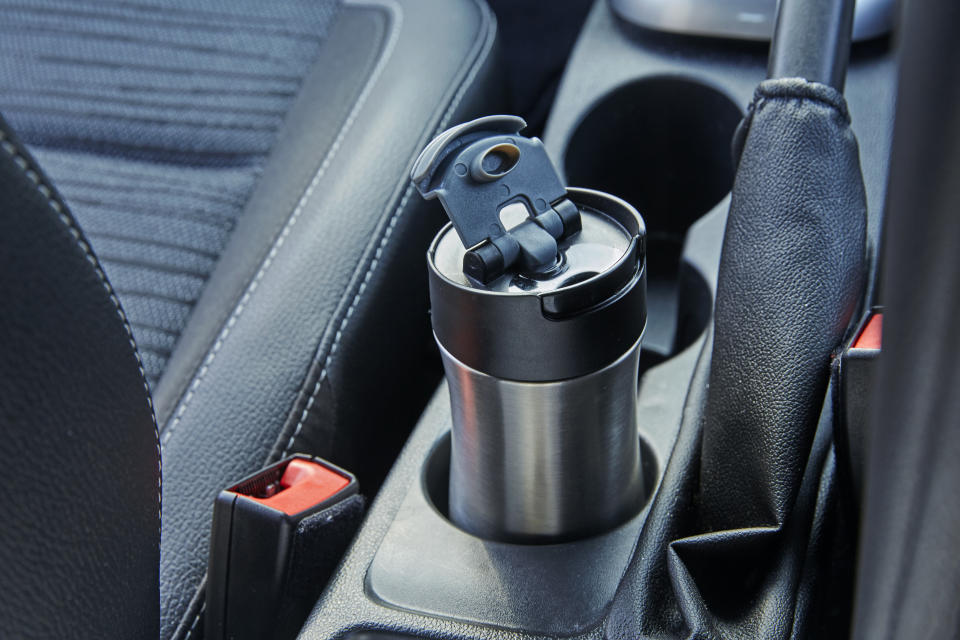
276,538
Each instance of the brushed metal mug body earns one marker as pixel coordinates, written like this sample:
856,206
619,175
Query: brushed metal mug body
544,461
538,304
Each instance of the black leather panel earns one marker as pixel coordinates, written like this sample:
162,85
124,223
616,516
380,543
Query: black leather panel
909,575
79,457
279,373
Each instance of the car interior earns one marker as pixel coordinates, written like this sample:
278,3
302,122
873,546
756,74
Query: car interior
480,319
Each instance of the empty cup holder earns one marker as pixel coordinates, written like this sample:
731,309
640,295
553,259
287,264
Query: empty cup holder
662,144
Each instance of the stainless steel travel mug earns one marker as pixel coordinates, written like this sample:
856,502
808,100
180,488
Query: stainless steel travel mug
538,299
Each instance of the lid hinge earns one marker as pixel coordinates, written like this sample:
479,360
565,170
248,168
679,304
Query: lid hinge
479,168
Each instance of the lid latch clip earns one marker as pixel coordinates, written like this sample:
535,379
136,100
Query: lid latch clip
477,170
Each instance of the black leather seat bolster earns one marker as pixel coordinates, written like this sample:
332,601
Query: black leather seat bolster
79,457
304,332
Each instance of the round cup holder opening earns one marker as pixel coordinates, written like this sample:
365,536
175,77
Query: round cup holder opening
436,475
662,144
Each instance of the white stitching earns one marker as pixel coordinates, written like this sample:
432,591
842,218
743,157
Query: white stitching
196,619
458,97
343,323
294,216
198,600
278,243
65,218
395,217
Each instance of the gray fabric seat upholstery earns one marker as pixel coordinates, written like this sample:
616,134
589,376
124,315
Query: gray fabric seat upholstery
155,119
241,170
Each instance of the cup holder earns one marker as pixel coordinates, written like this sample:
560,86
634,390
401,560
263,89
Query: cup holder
428,565
436,475
663,145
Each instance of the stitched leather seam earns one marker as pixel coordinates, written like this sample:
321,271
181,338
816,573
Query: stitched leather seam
787,89
199,601
343,324
281,239
278,243
775,98
61,210
387,234
195,621
458,97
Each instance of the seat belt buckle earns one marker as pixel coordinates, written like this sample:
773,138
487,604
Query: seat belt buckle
857,371
276,538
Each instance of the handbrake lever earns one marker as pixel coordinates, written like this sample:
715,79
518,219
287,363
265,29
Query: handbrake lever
791,274
812,41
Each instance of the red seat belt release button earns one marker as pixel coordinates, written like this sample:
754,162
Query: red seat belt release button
303,485
856,374
871,336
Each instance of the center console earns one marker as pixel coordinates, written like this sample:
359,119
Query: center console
647,117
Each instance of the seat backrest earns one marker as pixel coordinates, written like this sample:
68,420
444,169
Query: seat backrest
79,454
